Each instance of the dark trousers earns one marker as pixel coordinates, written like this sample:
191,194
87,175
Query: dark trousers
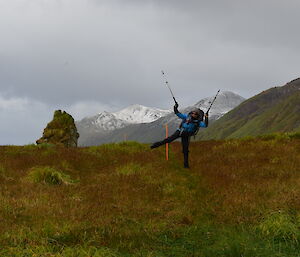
185,141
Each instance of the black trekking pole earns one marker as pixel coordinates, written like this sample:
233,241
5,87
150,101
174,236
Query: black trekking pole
167,84
212,102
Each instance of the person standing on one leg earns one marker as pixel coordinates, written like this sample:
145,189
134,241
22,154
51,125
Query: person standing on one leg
189,126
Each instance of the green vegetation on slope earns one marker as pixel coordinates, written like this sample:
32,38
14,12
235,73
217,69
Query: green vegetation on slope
128,201
60,131
274,110
284,117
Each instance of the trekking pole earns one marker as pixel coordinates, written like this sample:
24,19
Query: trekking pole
167,145
212,102
167,84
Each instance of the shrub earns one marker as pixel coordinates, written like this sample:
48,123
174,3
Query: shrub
279,226
48,175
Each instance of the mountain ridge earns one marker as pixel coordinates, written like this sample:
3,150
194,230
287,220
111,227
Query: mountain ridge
137,113
130,115
152,131
273,110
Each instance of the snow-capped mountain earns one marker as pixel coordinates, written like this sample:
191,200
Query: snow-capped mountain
102,121
131,115
140,114
224,103
146,124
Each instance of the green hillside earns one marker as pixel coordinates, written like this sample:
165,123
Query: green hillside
123,200
274,110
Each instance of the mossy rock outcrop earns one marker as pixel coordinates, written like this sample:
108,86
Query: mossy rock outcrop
60,131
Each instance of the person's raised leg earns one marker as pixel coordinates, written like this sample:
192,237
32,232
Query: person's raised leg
166,140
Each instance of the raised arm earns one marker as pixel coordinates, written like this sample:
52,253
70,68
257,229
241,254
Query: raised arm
176,108
204,124
180,115
206,119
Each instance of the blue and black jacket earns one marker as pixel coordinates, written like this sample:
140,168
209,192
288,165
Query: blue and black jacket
189,124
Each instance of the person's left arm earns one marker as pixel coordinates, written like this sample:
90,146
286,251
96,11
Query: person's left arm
205,123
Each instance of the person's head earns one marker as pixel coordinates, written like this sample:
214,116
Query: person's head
197,114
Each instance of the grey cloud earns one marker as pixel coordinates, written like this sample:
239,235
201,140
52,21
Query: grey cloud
23,120
64,52
251,22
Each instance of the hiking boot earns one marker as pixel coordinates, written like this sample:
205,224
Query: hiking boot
155,145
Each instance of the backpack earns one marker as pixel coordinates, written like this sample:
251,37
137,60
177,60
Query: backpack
191,120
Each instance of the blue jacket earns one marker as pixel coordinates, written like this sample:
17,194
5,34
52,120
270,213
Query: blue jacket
188,125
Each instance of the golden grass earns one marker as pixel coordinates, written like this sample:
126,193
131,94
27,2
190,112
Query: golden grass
127,194
248,177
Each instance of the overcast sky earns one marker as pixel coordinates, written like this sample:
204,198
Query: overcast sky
86,56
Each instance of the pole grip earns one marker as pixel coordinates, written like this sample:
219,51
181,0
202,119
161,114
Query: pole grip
175,100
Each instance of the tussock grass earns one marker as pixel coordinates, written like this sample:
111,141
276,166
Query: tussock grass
131,202
48,175
280,226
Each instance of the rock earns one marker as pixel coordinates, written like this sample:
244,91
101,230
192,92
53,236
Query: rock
60,131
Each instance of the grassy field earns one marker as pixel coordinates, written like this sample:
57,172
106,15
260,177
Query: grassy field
240,198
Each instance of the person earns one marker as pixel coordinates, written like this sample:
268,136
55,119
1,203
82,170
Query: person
189,126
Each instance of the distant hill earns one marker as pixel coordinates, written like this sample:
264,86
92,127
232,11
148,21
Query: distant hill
116,127
274,110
